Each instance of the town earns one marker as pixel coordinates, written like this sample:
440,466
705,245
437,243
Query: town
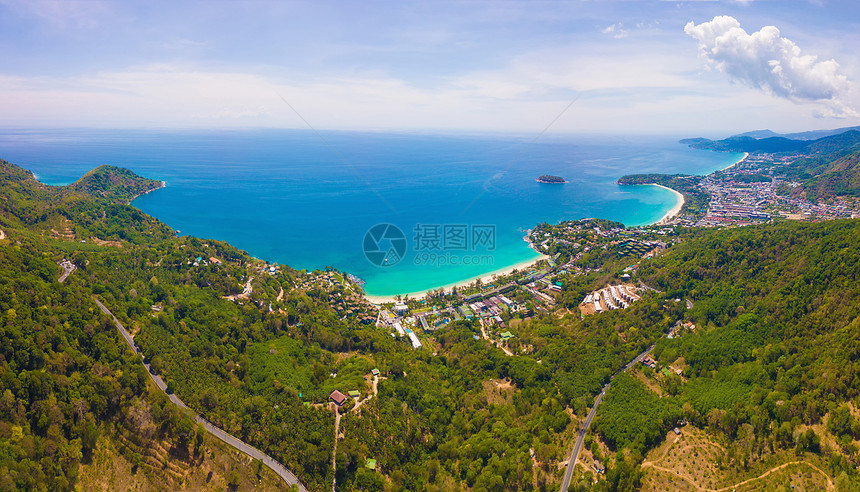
757,190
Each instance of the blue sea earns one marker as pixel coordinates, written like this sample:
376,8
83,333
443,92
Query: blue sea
447,207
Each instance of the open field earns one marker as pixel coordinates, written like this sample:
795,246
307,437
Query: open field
690,462
158,469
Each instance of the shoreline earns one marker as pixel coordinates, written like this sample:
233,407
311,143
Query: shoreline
746,154
135,197
679,204
485,279
680,196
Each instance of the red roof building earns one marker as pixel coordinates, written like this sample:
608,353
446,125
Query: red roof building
337,397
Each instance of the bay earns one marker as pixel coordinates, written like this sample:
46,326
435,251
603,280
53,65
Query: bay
462,202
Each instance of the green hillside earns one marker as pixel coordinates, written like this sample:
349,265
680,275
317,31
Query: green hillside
769,371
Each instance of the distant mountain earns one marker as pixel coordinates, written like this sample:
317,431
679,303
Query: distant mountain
808,135
759,134
747,144
840,144
776,145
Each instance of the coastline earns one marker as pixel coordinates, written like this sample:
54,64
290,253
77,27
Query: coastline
746,154
679,204
485,279
680,196
135,197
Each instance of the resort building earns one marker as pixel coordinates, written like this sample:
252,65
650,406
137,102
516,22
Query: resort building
401,308
416,344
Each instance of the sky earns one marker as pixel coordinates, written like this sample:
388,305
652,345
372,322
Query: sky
709,68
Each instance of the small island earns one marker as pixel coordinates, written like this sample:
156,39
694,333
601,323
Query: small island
546,178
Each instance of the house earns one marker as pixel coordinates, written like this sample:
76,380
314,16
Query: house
375,372
214,260
355,394
370,464
598,467
677,431
506,335
337,397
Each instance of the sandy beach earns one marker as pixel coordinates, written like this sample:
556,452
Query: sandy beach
674,210
680,203
746,154
485,279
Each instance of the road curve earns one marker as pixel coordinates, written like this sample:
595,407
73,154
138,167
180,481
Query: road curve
574,454
210,428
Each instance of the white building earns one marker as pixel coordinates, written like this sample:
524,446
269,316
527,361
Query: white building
401,308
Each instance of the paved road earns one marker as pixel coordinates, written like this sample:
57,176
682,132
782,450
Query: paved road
68,267
574,454
215,431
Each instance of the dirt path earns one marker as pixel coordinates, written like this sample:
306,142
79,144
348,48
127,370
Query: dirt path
649,383
280,295
359,403
337,435
334,449
727,488
777,468
245,293
674,438
487,337
676,475
2,235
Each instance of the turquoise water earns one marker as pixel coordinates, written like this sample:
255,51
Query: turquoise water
288,197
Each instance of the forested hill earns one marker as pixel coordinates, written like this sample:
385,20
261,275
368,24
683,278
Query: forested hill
77,409
776,144
747,144
777,343
833,171
116,183
769,363
94,207
769,373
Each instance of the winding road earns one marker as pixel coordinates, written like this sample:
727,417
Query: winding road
68,267
574,454
210,428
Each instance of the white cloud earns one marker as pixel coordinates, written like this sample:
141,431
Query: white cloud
616,30
765,60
